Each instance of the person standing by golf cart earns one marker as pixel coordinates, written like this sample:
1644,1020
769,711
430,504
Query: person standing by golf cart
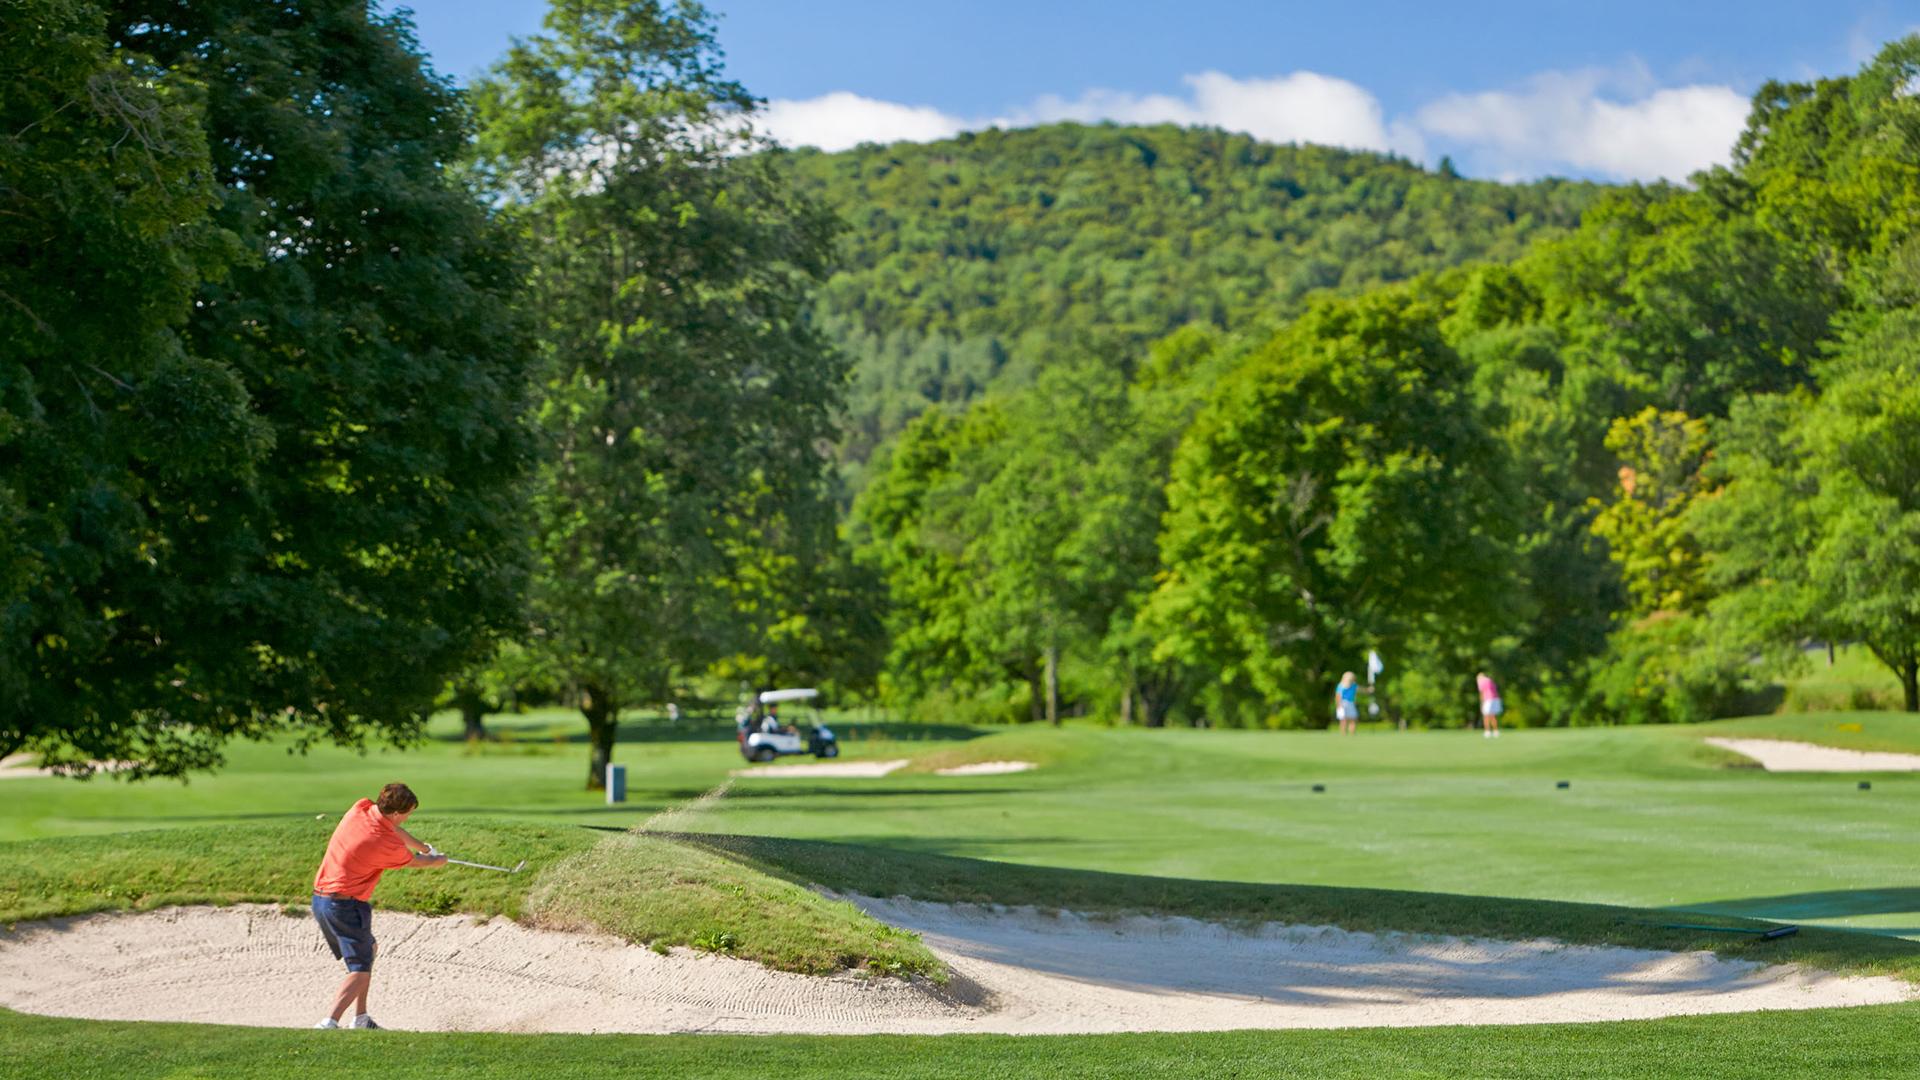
368,842
1346,703
1490,706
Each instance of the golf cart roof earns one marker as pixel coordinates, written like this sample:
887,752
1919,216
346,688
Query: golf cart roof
770,697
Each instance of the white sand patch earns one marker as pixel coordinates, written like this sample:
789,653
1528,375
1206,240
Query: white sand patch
1015,972
825,768
1070,973
25,767
986,768
1781,755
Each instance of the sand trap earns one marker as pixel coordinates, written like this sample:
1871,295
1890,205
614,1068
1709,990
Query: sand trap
1015,971
24,767
986,768
825,768
1781,755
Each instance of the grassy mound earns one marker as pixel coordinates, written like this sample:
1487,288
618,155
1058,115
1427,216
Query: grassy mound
646,889
659,891
263,863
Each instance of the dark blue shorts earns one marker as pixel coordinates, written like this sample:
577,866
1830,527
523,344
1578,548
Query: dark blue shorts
348,928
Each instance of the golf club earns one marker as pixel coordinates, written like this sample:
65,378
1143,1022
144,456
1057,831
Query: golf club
516,868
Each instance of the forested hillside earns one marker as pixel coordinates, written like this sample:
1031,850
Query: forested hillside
1619,470
981,259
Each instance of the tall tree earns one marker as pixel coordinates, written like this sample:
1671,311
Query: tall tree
1340,492
286,469
686,395
1818,531
1662,456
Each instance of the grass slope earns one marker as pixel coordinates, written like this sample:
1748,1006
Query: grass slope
1837,1043
649,890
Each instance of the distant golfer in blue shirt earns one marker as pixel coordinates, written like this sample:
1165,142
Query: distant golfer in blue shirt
1346,703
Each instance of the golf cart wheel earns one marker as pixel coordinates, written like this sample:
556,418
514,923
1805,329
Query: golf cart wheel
829,750
762,753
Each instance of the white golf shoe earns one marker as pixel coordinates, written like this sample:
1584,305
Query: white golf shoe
365,1021
327,1024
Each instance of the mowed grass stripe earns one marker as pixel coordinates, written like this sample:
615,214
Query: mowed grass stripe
1836,1043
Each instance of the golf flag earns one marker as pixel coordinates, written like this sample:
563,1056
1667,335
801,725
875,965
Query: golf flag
1374,666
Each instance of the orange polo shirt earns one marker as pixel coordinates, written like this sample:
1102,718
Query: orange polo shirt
363,847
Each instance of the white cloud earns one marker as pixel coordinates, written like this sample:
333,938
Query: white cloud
1563,122
1618,124
1302,107
841,120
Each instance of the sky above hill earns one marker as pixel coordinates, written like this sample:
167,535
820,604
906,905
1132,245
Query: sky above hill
1623,90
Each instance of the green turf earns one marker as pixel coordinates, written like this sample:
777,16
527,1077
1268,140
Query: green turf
1837,1043
263,862
659,891
1652,816
1853,681
647,889
1437,831
535,771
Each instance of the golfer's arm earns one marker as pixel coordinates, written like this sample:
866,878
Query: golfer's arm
412,844
423,859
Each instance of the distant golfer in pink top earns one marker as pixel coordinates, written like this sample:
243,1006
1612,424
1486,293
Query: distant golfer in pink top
1490,706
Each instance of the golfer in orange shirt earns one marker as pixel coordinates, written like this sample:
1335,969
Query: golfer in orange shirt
368,842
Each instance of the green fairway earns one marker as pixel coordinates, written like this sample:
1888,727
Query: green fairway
1652,816
535,771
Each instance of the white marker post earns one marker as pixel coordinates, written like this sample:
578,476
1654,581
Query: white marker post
616,783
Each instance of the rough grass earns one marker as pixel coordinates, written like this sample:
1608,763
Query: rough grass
1821,1045
647,889
265,863
656,891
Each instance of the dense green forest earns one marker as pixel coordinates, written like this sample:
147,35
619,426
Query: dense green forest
1617,471
977,261
333,394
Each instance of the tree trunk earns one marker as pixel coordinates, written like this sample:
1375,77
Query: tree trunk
473,711
1910,682
603,722
1126,706
1053,684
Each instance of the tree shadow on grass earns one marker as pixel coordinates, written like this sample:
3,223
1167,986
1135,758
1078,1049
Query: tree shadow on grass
929,868
1832,904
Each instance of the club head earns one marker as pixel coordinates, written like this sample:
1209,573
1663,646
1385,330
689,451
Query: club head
519,866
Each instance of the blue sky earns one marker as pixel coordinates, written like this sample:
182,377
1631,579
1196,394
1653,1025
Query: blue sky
1614,89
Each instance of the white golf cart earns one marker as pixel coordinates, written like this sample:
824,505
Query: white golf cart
765,734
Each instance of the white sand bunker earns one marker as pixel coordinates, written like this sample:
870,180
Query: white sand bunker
986,768
1781,755
825,768
26,767
1015,972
